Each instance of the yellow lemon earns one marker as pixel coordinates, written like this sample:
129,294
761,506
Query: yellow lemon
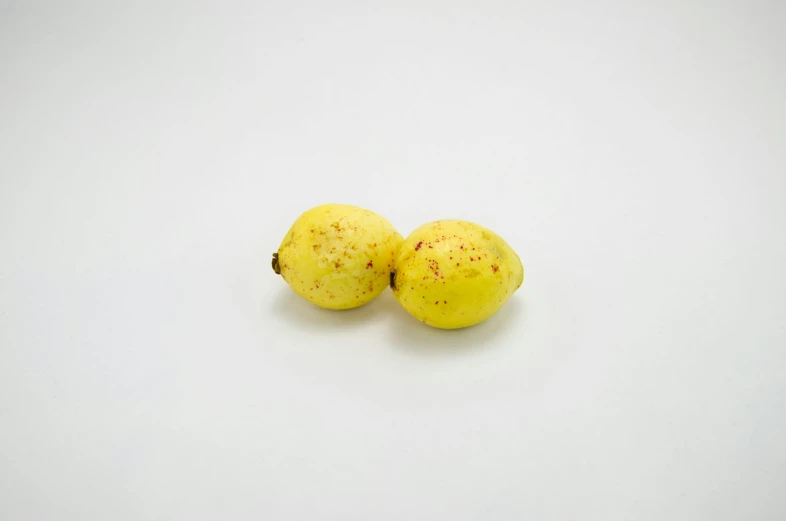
338,256
451,274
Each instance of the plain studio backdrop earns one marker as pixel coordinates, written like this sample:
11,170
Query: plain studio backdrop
152,157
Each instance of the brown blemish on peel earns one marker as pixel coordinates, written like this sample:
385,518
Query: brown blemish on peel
418,245
495,268
276,266
370,264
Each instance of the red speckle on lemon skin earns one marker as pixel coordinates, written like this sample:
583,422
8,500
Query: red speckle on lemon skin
495,268
370,264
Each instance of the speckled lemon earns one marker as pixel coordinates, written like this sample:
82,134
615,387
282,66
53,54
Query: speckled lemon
451,274
338,256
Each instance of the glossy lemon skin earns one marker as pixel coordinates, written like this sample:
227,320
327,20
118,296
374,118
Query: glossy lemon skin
339,256
451,274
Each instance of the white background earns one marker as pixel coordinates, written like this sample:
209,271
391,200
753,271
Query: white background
152,157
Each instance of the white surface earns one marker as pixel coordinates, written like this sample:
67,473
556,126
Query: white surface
152,367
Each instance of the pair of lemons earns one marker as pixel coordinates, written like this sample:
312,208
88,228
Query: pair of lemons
448,274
